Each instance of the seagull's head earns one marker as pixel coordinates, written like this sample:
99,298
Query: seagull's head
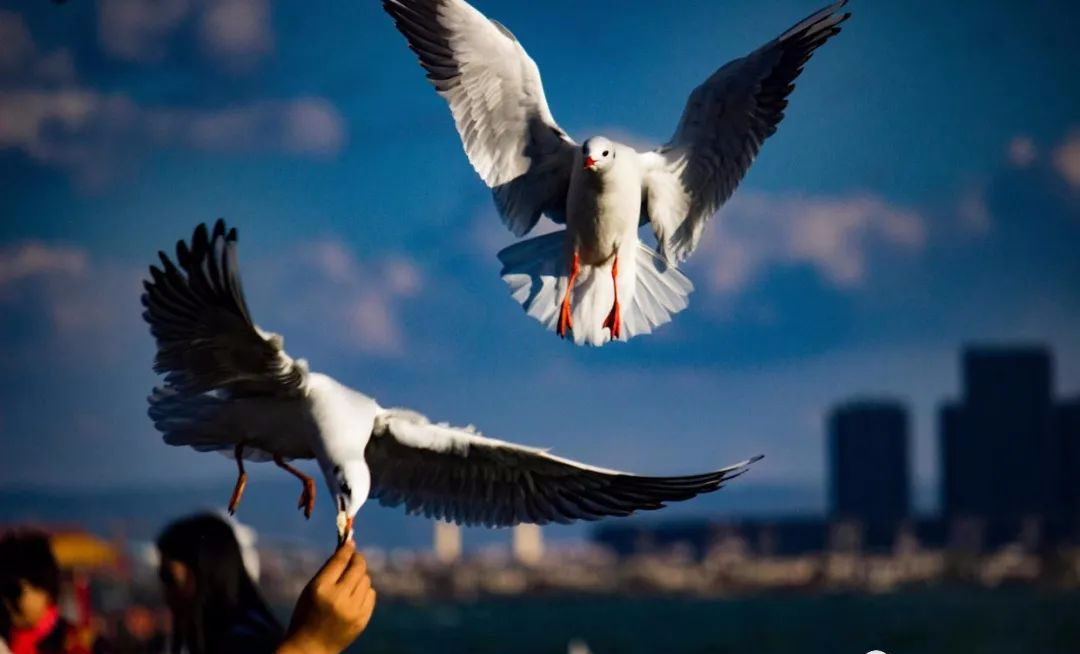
598,154
351,483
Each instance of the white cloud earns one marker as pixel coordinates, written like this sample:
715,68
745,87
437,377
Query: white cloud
1022,151
237,32
1067,158
306,126
22,61
84,311
16,44
234,33
137,30
31,259
756,231
94,135
355,304
80,310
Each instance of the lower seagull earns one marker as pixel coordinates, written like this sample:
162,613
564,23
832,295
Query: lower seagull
230,387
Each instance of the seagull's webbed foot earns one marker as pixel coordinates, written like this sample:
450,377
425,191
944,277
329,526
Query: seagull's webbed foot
241,480
614,321
307,495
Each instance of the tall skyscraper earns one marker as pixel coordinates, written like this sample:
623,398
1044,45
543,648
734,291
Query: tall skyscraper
999,444
868,456
1068,425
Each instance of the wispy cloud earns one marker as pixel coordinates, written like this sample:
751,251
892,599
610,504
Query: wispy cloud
21,61
234,33
63,307
97,136
354,304
237,32
1067,158
138,30
1021,151
22,261
757,231
307,126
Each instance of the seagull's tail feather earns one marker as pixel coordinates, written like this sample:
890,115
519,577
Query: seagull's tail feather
650,290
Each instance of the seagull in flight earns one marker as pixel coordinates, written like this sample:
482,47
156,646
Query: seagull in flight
230,387
595,281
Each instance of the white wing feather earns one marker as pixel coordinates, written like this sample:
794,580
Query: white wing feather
497,100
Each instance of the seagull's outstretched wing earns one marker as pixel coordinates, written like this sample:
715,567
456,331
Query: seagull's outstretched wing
206,339
498,103
725,121
461,476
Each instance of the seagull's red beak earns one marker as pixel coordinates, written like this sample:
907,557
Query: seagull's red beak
590,162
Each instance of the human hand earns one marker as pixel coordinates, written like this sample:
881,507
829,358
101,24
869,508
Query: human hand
334,608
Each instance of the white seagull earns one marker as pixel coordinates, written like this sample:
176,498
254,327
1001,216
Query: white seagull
229,386
602,190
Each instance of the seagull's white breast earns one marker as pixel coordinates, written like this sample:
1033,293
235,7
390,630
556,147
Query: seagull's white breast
603,209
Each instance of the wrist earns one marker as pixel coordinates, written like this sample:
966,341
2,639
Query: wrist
295,644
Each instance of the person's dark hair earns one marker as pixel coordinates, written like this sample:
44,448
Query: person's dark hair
226,599
25,556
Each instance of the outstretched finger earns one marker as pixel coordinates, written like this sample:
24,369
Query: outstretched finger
336,564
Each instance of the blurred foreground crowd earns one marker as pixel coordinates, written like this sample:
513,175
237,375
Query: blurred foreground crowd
214,606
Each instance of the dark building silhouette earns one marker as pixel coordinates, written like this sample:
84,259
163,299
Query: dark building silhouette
1068,426
1000,444
868,463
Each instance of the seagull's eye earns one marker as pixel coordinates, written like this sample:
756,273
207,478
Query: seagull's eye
604,153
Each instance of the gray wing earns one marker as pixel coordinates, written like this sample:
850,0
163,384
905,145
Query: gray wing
461,476
264,425
725,121
498,104
206,339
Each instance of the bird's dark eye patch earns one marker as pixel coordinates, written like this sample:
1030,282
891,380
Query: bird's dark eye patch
604,153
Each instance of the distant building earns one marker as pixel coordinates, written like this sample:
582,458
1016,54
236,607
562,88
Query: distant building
528,544
447,542
1068,427
999,443
868,463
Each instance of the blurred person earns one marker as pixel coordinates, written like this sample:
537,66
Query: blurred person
217,608
30,616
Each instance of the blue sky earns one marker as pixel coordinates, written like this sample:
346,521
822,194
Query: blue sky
922,192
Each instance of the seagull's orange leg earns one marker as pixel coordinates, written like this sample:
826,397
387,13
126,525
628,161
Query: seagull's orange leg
241,479
565,320
307,496
614,318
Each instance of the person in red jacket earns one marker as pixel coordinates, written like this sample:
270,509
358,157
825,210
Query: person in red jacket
30,620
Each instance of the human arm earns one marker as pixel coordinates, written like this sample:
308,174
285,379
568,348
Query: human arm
334,608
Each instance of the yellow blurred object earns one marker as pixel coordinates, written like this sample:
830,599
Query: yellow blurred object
78,549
